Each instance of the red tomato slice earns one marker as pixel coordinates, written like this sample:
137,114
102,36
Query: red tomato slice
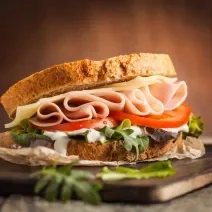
169,119
93,124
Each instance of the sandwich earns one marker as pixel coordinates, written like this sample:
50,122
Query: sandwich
128,108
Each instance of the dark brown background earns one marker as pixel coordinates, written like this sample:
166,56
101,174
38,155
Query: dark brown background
37,34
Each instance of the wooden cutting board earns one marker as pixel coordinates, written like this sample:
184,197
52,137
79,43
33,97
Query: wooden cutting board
190,175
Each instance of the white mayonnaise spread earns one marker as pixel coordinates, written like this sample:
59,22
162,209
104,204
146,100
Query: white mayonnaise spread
61,141
136,131
77,132
95,135
61,138
92,136
183,128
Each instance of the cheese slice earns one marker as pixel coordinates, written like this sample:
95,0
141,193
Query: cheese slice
139,82
23,112
27,111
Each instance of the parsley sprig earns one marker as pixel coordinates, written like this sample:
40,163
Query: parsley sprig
63,182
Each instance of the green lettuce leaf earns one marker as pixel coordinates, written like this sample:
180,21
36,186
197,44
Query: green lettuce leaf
25,133
154,170
139,144
124,124
24,139
196,127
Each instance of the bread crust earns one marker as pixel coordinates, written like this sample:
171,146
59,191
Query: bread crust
110,151
84,74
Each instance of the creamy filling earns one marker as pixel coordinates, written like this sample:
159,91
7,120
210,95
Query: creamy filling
183,128
61,139
92,135
137,131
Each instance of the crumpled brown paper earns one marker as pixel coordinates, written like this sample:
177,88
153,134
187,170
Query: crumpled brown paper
191,148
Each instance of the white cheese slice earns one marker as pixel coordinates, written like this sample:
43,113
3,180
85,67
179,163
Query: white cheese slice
27,111
23,112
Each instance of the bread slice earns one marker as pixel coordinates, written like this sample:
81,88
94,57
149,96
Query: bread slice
84,74
115,151
110,151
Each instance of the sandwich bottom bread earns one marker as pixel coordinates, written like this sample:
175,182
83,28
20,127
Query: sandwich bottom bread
125,109
110,151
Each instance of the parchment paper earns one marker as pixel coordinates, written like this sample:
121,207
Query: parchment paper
191,148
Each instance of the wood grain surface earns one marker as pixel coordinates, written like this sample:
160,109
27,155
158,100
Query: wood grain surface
190,175
37,34
198,201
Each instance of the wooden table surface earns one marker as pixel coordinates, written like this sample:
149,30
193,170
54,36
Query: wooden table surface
199,200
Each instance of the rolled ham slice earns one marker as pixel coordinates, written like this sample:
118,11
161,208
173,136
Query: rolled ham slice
171,95
77,106
136,103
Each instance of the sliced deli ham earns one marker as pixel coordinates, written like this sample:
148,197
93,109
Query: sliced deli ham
172,95
140,102
76,106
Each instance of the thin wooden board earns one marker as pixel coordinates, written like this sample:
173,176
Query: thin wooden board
190,175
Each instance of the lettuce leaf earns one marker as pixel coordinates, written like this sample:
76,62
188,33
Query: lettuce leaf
154,170
196,127
25,133
139,144
124,124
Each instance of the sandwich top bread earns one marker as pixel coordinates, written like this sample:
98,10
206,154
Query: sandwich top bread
125,108
84,74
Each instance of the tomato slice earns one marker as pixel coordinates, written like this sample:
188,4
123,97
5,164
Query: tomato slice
169,119
89,124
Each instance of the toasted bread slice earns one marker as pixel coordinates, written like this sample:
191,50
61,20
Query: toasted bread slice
84,74
111,151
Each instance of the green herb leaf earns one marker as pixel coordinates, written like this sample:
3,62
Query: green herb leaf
108,132
196,127
79,175
121,132
87,192
70,181
24,139
26,134
66,191
143,143
24,124
155,170
84,134
140,143
51,191
42,183
124,124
